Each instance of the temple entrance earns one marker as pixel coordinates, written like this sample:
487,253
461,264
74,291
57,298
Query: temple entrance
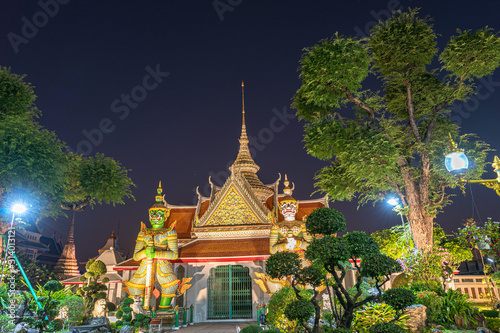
229,293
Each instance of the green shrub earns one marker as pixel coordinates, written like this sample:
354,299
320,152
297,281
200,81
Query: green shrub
455,304
433,302
5,325
340,330
276,310
493,323
252,329
491,313
272,330
402,280
399,299
430,285
386,328
76,307
373,313
300,310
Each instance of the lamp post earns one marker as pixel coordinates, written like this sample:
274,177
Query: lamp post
397,208
16,209
457,163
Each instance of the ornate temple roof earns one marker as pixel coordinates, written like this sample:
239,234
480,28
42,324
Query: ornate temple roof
233,223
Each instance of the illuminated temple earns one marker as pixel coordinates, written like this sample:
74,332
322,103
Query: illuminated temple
224,240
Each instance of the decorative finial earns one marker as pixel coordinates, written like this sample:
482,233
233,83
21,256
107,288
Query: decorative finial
243,101
287,190
288,205
159,197
159,200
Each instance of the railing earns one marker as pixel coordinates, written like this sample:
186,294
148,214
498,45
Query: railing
475,287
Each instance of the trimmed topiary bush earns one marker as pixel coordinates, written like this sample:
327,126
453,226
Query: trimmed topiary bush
399,299
271,331
402,280
276,311
490,313
252,329
300,310
386,328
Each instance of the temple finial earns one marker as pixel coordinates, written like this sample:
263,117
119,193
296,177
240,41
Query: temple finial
243,101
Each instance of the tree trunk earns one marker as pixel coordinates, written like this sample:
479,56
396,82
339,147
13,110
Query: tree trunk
421,225
417,197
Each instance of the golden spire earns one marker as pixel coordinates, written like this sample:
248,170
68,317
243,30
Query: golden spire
244,163
243,100
243,137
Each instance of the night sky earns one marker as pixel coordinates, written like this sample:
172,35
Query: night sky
86,57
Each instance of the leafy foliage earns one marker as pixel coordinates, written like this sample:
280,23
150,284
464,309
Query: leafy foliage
276,310
386,328
5,324
35,272
373,313
76,307
399,299
326,221
35,164
434,304
300,310
251,329
49,309
332,252
456,305
394,140
125,313
92,290
97,179
447,255
288,265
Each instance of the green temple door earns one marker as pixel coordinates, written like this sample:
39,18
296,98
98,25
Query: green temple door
229,293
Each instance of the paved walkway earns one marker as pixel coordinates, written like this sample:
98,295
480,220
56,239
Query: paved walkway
219,327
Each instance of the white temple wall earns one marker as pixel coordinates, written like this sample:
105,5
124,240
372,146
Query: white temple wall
197,295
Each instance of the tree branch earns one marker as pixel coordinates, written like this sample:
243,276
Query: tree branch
398,191
442,196
77,207
411,112
359,103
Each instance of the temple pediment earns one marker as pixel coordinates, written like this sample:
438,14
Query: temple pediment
234,205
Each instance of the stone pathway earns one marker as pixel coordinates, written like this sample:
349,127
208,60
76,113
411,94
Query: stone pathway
219,327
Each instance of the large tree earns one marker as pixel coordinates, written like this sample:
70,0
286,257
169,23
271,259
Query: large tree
392,140
37,168
32,159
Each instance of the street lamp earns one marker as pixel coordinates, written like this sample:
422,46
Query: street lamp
397,207
457,163
16,209
492,262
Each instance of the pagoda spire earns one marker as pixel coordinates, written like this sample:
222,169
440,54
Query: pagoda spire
67,266
244,160
243,136
244,163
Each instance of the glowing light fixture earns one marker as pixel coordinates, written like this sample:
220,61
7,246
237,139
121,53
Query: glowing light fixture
457,164
18,208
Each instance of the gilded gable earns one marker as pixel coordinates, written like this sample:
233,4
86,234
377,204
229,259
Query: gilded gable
232,210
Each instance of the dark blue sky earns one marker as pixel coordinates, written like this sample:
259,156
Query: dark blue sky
86,57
